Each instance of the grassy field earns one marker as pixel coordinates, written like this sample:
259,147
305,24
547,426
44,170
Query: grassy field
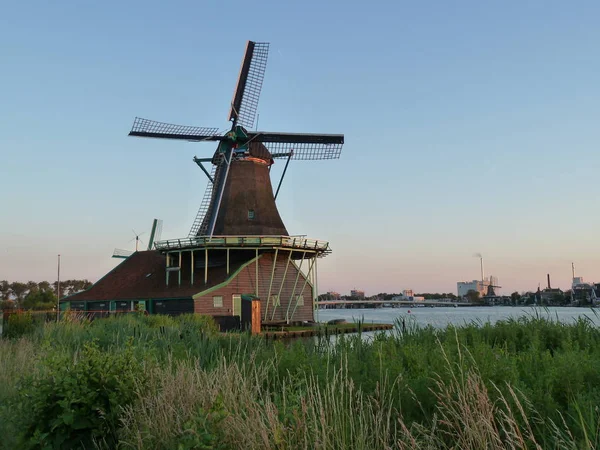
161,383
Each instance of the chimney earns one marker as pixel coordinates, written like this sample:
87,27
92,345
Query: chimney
549,281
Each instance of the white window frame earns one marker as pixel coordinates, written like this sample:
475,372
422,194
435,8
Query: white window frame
217,301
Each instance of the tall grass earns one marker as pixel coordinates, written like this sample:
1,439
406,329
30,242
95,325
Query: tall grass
521,383
17,357
231,406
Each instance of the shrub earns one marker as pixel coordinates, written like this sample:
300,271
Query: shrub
19,324
75,401
197,324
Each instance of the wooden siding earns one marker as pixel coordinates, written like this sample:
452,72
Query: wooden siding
245,281
173,307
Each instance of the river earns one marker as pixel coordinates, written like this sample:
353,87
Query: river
440,317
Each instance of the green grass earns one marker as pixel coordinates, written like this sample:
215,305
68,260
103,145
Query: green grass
159,382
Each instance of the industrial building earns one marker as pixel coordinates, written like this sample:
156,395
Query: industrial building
481,286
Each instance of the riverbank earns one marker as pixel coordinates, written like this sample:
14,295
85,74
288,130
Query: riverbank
157,382
323,330
442,317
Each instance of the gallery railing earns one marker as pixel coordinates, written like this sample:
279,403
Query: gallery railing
294,242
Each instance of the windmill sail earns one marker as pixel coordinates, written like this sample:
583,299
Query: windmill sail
152,129
249,84
305,146
155,233
200,224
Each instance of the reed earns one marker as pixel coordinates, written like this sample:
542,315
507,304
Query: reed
522,383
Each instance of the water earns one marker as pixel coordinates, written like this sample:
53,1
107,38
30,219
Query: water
442,316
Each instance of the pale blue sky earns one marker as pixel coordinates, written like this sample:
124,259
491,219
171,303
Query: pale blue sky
470,127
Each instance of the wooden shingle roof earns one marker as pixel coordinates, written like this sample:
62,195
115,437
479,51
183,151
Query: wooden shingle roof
142,276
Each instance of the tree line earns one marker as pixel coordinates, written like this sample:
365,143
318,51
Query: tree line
34,295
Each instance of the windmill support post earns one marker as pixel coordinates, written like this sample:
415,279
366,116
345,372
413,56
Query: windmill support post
192,268
205,265
272,273
199,161
316,290
308,275
296,281
179,271
219,197
287,265
256,286
313,281
283,174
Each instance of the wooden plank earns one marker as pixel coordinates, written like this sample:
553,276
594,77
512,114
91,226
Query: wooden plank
256,316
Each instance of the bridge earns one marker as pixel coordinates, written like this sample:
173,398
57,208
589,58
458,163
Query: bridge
380,303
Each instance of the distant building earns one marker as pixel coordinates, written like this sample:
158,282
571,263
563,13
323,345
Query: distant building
549,295
332,295
463,287
360,295
408,295
586,293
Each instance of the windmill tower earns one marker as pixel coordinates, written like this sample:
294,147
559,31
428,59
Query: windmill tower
238,226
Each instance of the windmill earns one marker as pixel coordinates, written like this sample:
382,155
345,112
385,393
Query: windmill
238,251
239,197
490,289
154,236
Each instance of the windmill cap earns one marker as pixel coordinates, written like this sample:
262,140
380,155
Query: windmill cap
259,151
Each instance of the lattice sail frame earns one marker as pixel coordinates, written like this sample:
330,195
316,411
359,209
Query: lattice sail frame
152,128
249,84
304,151
200,223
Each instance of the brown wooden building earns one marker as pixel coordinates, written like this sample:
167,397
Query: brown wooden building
209,276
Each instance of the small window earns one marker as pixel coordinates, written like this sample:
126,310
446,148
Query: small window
218,301
251,214
275,300
300,300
